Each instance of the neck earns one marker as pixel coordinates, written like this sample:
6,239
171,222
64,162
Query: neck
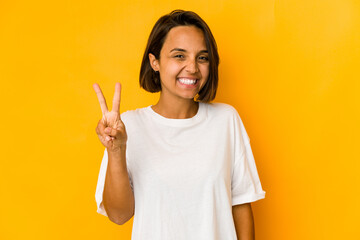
177,109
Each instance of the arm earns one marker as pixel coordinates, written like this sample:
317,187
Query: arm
244,221
118,198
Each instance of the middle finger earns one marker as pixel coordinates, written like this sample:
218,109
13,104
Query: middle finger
116,99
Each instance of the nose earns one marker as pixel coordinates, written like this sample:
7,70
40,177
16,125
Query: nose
192,66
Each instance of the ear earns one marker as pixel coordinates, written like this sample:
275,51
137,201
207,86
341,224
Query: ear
154,62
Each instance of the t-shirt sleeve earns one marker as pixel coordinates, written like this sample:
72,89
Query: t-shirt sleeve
245,184
101,183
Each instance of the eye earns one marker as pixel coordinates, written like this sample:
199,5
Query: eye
204,58
179,56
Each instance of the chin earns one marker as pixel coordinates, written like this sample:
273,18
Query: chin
189,96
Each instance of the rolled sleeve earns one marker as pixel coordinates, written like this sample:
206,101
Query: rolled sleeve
245,185
100,185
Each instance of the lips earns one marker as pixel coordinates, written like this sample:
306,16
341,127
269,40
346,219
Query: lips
187,81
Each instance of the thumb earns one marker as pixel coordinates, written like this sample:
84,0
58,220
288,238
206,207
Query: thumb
111,132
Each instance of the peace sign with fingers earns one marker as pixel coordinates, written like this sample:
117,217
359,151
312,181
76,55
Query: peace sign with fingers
110,129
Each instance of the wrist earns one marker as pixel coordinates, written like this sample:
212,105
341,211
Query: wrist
117,151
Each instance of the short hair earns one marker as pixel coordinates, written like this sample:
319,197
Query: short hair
150,80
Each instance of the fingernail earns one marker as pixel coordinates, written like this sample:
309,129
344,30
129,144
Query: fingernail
107,138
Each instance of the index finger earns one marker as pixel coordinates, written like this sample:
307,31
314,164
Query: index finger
101,98
116,99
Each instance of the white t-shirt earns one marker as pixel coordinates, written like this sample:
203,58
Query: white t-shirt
187,174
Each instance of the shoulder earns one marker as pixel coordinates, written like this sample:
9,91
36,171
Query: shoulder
134,120
229,114
225,112
133,113
221,108
133,116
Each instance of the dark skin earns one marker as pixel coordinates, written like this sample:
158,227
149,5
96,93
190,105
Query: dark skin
244,221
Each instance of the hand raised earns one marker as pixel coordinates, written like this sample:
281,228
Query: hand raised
110,129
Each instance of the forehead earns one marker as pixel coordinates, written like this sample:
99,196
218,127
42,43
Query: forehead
189,38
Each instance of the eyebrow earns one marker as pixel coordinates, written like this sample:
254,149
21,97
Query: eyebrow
183,50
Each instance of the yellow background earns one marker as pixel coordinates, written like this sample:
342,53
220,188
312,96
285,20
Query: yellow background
290,68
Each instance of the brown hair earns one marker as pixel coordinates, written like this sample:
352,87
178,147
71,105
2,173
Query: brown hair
150,80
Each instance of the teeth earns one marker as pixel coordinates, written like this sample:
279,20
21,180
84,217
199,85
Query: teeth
187,81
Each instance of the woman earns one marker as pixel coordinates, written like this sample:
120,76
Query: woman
183,167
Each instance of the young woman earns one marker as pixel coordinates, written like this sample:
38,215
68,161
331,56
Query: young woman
182,167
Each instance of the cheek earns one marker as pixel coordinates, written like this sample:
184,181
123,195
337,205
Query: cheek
205,71
171,69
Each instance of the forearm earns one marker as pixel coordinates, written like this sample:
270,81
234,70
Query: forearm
244,221
118,197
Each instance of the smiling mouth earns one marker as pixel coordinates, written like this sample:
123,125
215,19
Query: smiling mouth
187,81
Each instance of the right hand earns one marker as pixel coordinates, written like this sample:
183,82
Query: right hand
110,129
